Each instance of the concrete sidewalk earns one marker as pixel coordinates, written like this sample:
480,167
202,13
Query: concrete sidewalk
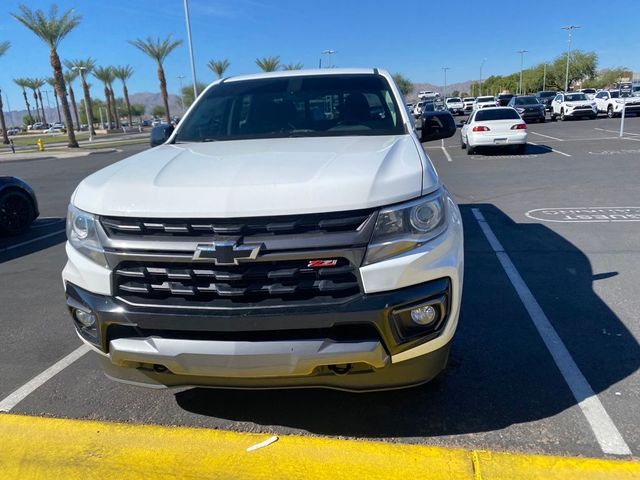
53,154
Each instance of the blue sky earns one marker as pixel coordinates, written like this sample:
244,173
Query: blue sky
416,38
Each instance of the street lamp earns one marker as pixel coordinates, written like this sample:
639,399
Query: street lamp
481,65
544,77
329,53
180,77
569,29
76,68
444,69
521,52
193,63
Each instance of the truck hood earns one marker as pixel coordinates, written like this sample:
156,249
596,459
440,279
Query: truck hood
259,178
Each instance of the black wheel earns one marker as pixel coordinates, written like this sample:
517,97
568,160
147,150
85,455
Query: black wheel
553,117
562,115
462,144
470,150
610,113
16,212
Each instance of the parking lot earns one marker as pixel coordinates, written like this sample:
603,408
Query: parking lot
546,358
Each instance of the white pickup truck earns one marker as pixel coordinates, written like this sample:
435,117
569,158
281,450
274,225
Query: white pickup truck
609,102
455,105
290,232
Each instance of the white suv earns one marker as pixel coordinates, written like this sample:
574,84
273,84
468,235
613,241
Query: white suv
573,105
609,102
291,231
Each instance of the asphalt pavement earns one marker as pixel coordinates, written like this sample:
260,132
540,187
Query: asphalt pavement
506,388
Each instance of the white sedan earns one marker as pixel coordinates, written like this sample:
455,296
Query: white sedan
493,127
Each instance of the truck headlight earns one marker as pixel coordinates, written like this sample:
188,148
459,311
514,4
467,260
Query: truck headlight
82,234
407,226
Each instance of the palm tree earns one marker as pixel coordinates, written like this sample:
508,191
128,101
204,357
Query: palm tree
219,66
69,78
268,64
52,81
84,67
23,83
4,46
124,74
51,30
293,66
105,75
34,84
159,50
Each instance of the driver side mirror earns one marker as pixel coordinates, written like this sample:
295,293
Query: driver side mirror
160,134
438,125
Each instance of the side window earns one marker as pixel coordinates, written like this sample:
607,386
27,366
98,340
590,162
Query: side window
558,98
599,95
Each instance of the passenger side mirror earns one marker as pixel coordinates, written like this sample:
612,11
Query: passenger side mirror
437,125
160,134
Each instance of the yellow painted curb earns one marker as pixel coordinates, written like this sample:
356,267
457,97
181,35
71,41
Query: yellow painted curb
34,448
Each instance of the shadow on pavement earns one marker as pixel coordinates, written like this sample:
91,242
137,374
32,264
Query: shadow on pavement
500,371
42,234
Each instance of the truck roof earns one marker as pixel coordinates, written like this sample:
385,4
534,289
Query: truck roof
301,73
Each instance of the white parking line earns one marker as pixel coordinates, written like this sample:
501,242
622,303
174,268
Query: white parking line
446,154
548,136
606,433
616,131
33,240
7,403
549,148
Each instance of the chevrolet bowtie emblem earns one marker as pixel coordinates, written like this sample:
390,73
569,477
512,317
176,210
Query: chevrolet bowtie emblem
225,252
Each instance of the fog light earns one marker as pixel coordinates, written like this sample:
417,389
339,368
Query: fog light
85,318
423,315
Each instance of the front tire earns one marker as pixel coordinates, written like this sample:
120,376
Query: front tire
16,213
470,150
562,115
462,144
610,112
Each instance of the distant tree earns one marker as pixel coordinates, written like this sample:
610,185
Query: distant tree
69,78
85,66
187,93
124,74
52,82
137,109
268,64
52,29
404,84
455,93
27,120
4,46
23,83
219,66
608,77
159,50
106,76
158,111
582,66
293,66
464,94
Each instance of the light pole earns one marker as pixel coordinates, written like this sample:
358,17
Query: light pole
86,106
521,52
481,65
569,29
328,53
180,77
444,69
193,63
544,77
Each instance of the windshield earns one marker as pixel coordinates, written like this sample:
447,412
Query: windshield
526,101
546,94
575,97
485,99
323,105
497,114
453,99
588,90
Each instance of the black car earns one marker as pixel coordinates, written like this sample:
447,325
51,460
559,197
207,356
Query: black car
504,99
528,107
546,97
18,206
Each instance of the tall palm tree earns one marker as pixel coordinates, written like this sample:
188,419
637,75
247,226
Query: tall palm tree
69,78
33,84
268,64
159,50
105,75
293,66
84,67
52,81
4,46
124,74
219,66
23,83
52,29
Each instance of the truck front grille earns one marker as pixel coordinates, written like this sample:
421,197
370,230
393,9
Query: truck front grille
188,284
282,225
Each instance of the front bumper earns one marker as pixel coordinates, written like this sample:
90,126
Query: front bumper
592,112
